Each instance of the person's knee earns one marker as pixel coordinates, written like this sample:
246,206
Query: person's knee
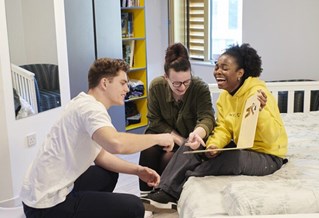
110,180
114,178
134,206
164,161
149,154
232,162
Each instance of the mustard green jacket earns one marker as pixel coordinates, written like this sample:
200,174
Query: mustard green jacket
270,137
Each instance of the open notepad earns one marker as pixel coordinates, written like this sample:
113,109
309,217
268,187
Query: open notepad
247,129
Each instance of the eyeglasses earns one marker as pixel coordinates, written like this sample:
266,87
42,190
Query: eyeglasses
186,83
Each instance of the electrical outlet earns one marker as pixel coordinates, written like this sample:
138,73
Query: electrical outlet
31,139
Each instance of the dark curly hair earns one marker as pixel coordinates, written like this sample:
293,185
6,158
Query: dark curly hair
246,58
105,68
176,58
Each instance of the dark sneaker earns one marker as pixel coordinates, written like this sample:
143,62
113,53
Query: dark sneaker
145,193
159,201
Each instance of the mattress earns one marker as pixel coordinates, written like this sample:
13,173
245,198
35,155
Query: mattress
294,189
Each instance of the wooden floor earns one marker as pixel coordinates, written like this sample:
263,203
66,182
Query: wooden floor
129,184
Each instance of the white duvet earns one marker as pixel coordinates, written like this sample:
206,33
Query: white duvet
293,189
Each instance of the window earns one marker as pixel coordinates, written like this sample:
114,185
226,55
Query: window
206,27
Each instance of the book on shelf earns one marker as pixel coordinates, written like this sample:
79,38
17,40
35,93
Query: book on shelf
124,20
128,51
130,3
123,3
127,24
130,25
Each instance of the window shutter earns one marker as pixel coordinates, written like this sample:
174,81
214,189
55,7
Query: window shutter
177,21
198,29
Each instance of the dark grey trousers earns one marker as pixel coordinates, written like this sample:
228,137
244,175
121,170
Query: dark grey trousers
233,162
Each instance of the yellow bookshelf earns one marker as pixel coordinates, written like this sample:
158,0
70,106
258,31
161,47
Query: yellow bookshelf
134,36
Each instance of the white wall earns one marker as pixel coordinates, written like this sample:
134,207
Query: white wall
285,34
156,14
42,34
15,155
16,37
5,167
32,37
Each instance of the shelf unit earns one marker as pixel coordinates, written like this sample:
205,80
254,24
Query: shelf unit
138,69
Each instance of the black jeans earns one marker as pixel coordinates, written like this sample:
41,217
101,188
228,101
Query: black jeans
233,162
157,159
92,197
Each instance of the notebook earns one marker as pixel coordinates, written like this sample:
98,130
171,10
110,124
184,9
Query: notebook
247,129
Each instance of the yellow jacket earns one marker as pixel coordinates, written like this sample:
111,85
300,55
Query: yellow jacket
270,137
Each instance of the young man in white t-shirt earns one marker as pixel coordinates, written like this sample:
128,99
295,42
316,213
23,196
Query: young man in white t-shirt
62,181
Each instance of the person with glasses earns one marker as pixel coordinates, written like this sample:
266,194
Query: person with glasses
237,73
178,103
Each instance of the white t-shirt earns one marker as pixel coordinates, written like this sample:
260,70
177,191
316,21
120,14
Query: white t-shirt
68,151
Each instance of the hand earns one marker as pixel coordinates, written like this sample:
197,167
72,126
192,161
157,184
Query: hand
178,139
167,141
194,141
262,97
149,176
212,153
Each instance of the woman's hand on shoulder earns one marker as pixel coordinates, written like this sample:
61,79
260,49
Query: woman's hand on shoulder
262,98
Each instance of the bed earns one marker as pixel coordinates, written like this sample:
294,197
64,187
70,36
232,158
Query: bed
293,190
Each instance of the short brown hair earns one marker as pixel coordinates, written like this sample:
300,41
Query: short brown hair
105,68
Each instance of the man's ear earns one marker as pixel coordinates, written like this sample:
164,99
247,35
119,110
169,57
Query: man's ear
104,82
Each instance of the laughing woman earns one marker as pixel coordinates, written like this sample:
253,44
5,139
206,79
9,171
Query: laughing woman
237,72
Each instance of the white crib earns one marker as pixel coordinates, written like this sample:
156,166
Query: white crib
276,87
23,82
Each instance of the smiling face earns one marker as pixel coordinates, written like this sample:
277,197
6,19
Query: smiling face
178,82
227,74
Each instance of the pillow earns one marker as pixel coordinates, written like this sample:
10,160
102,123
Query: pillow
271,197
26,109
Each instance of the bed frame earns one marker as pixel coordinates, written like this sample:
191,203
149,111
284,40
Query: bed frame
279,87
24,83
